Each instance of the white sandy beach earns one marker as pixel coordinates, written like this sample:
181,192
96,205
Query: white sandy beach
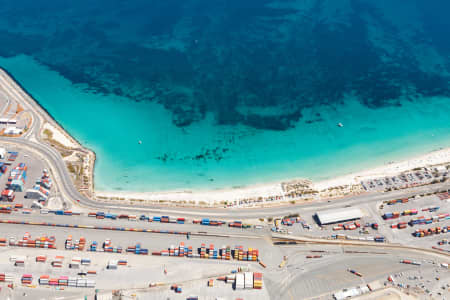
210,196
60,136
274,189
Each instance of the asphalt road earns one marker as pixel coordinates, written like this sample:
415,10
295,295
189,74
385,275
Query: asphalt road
69,191
31,141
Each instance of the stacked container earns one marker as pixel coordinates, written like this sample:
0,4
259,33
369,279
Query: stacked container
112,265
430,231
392,202
16,180
89,283
410,212
248,280
53,281
57,262
19,262
8,195
239,282
137,249
391,215
75,263
3,168
122,262
6,277
13,156
63,281
27,279
93,246
113,249
44,280
5,209
72,281
410,262
45,182
401,225
257,280
41,258
211,252
203,251
41,242
236,224
66,281
379,239
431,209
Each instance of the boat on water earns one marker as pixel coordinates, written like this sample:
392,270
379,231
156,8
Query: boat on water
340,124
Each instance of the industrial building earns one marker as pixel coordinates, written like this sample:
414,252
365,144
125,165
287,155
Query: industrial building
8,121
13,130
331,216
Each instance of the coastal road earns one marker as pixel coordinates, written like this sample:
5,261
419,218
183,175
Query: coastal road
31,140
69,192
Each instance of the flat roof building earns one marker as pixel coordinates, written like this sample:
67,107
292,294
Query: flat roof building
338,215
13,130
8,121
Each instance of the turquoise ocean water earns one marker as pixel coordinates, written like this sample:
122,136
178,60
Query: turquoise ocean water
112,128
231,93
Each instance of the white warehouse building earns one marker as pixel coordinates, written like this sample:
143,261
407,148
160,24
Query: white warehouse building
338,215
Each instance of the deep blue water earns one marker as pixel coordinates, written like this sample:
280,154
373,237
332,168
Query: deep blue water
228,93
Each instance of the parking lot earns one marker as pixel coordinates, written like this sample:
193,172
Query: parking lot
408,179
34,172
372,213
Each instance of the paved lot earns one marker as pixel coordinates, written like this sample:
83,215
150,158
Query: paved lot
373,214
141,270
34,172
301,277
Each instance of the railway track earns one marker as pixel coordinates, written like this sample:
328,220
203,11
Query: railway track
285,241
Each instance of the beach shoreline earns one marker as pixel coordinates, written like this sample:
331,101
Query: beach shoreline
275,189
277,192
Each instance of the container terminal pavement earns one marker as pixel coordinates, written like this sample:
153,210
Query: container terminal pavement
49,251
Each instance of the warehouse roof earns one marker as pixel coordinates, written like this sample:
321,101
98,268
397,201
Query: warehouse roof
338,215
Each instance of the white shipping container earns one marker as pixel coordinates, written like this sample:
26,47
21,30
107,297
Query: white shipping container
248,280
239,282
14,258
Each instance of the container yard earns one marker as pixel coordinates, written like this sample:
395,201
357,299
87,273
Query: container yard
50,244
21,174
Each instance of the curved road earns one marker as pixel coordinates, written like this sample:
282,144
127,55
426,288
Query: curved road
68,190
31,141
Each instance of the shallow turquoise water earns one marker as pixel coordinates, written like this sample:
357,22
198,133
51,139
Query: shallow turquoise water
238,155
